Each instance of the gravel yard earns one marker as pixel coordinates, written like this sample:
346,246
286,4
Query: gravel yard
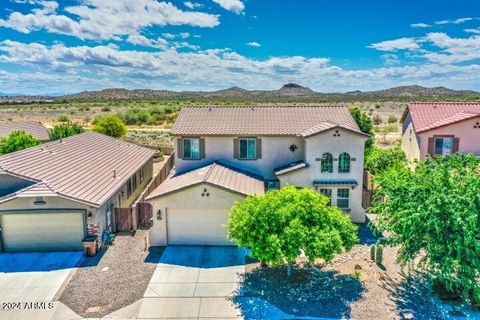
115,278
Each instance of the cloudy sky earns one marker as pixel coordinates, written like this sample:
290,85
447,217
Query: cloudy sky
57,47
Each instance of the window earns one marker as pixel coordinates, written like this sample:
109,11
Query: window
191,148
134,182
443,145
344,163
272,184
142,174
328,194
39,201
248,148
327,163
342,198
129,188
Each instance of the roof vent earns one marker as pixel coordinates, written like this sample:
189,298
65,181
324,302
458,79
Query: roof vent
210,109
114,174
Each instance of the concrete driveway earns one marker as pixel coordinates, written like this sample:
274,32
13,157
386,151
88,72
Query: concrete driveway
194,282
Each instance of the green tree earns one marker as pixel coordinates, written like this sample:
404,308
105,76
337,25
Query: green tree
433,213
16,141
111,126
65,130
364,122
378,160
281,224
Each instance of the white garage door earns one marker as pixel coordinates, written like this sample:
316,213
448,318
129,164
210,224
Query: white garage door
47,231
197,227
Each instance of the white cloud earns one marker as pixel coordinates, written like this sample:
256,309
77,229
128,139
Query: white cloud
456,21
420,25
236,6
184,35
390,59
397,44
474,31
254,44
168,35
453,50
192,5
106,19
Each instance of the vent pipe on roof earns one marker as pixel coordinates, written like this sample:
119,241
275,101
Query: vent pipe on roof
114,174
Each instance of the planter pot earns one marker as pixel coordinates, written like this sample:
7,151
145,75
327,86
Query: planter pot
158,159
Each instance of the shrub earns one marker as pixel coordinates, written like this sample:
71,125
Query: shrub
392,119
377,120
377,160
433,213
106,109
111,126
16,141
63,118
281,224
65,130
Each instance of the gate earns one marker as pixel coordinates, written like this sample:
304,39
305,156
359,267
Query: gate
145,213
123,219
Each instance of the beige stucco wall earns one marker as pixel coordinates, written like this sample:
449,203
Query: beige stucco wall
410,142
319,144
275,153
128,201
218,199
469,137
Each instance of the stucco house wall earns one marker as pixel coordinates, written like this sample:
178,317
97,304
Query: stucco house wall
315,147
275,153
218,199
410,142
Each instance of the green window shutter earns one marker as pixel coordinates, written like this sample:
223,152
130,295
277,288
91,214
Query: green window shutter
259,148
180,148
344,163
236,149
202,148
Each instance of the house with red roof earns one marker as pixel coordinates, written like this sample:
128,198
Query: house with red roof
440,128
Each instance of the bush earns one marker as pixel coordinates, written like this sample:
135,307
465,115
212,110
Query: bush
106,109
16,141
377,120
392,119
433,213
378,160
364,123
65,130
63,118
282,224
111,126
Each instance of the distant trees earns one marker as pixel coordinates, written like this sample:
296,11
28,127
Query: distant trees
282,224
65,130
364,123
111,126
433,213
16,141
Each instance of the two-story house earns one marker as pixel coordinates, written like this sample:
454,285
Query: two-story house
440,128
224,154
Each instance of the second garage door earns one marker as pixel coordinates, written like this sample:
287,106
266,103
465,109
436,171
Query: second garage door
197,227
47,231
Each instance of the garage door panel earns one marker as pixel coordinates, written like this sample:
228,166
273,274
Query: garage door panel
197,227
42,232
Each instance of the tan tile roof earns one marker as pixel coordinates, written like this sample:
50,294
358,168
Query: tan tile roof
261,120
216,174
430,115
37,130
79,167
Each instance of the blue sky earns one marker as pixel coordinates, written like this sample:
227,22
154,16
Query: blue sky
56,47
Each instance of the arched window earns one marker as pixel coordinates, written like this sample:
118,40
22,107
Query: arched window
344,163
327,163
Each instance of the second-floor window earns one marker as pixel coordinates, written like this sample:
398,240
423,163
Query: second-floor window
248,148
327,163
344,163
191,148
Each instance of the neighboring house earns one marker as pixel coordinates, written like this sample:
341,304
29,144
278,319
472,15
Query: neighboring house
52,193
224,154
440,128
37,130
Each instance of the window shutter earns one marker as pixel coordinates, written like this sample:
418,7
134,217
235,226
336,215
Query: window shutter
236,149
456,145
202,148
259,148
180,148
431,146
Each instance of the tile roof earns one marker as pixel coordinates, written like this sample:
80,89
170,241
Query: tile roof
37,130
216,174
291,167
261,120
430,115
80,167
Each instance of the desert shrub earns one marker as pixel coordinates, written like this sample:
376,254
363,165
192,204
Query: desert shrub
377,120
63,118
106,109
65,130
392,119
111,126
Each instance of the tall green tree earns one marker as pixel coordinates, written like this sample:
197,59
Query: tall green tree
281,224
433,213
364,122
16,141
65,130
379,160
111,126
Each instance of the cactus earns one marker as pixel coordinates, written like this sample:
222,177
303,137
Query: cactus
372,253
379,254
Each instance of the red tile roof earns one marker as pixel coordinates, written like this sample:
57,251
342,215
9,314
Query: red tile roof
431,115
261,120
216,174
80,167
37,130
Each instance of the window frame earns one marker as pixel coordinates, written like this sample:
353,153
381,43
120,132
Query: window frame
324,163
142,174
342,197
247,139
435,138
190,156
341,168
327,192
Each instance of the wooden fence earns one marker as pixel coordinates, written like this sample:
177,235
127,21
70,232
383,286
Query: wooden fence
367,190
159,178
123,219
144,213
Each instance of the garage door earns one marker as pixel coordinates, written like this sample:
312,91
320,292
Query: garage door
197,227
42,232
